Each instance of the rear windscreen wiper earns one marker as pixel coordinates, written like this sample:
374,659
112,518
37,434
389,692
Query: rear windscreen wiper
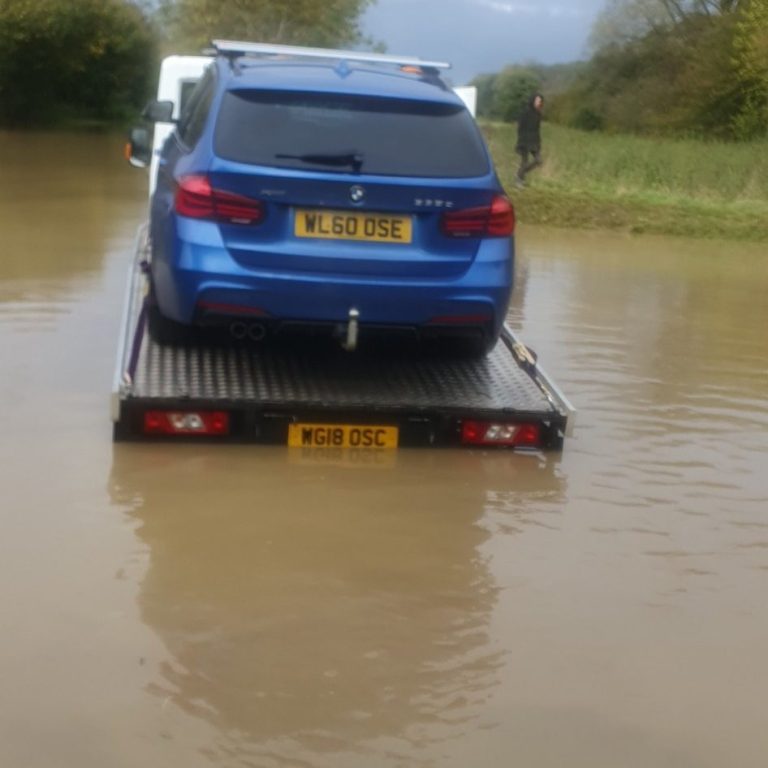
341,160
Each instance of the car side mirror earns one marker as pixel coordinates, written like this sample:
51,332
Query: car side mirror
158,112
138,150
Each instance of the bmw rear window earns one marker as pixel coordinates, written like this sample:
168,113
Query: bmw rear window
347,133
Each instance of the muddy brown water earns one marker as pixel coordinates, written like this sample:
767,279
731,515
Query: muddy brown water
240,606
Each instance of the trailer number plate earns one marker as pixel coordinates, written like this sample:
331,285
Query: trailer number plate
341,436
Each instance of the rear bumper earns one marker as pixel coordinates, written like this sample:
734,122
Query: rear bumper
204,284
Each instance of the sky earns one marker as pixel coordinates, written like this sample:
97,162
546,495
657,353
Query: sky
479,36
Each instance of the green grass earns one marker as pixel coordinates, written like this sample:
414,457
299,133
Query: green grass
664,186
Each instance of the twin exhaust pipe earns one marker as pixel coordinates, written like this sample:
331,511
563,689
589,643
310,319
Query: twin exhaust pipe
254,331
240,330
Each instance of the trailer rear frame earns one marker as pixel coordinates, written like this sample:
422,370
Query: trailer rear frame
260,391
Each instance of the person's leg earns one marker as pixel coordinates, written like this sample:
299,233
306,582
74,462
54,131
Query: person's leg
526,166
523,169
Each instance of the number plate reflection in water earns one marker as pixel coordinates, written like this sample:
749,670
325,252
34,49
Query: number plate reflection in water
341,436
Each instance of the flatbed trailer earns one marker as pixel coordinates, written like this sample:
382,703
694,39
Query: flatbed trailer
284,394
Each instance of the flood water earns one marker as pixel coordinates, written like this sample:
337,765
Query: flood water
167,605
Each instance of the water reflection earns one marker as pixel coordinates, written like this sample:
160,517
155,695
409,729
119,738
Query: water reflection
667,366
313,609
436,608
62,197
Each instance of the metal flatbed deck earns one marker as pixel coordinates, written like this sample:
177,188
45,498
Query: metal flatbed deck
262,390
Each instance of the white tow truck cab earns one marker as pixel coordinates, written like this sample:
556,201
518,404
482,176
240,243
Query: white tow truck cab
178,77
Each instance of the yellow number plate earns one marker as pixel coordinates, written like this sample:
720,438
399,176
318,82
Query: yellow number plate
341,436
349,225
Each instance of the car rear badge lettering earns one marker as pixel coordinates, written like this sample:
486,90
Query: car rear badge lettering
421,202
356,193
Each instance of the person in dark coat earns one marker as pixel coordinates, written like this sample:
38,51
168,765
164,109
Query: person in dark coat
529,138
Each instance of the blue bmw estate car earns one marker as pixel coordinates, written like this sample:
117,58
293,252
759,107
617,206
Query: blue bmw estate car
308,191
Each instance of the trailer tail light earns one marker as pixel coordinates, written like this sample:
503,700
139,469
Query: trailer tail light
502,434
186,423
196,198
494,220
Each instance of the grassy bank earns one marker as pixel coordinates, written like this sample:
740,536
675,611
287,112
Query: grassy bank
663,186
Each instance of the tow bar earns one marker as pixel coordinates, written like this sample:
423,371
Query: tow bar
350,342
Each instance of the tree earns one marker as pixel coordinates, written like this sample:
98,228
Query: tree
81,59
622,21
689,66
625,20
194,23
751,60
484,85
677,10
512,90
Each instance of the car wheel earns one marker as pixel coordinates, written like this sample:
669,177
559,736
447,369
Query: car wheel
164,331
459,345
475,346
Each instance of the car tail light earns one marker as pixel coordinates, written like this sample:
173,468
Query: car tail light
494,220
186,423
231,309
196,198
500,433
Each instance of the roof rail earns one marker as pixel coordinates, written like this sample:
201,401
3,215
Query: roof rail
239,48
